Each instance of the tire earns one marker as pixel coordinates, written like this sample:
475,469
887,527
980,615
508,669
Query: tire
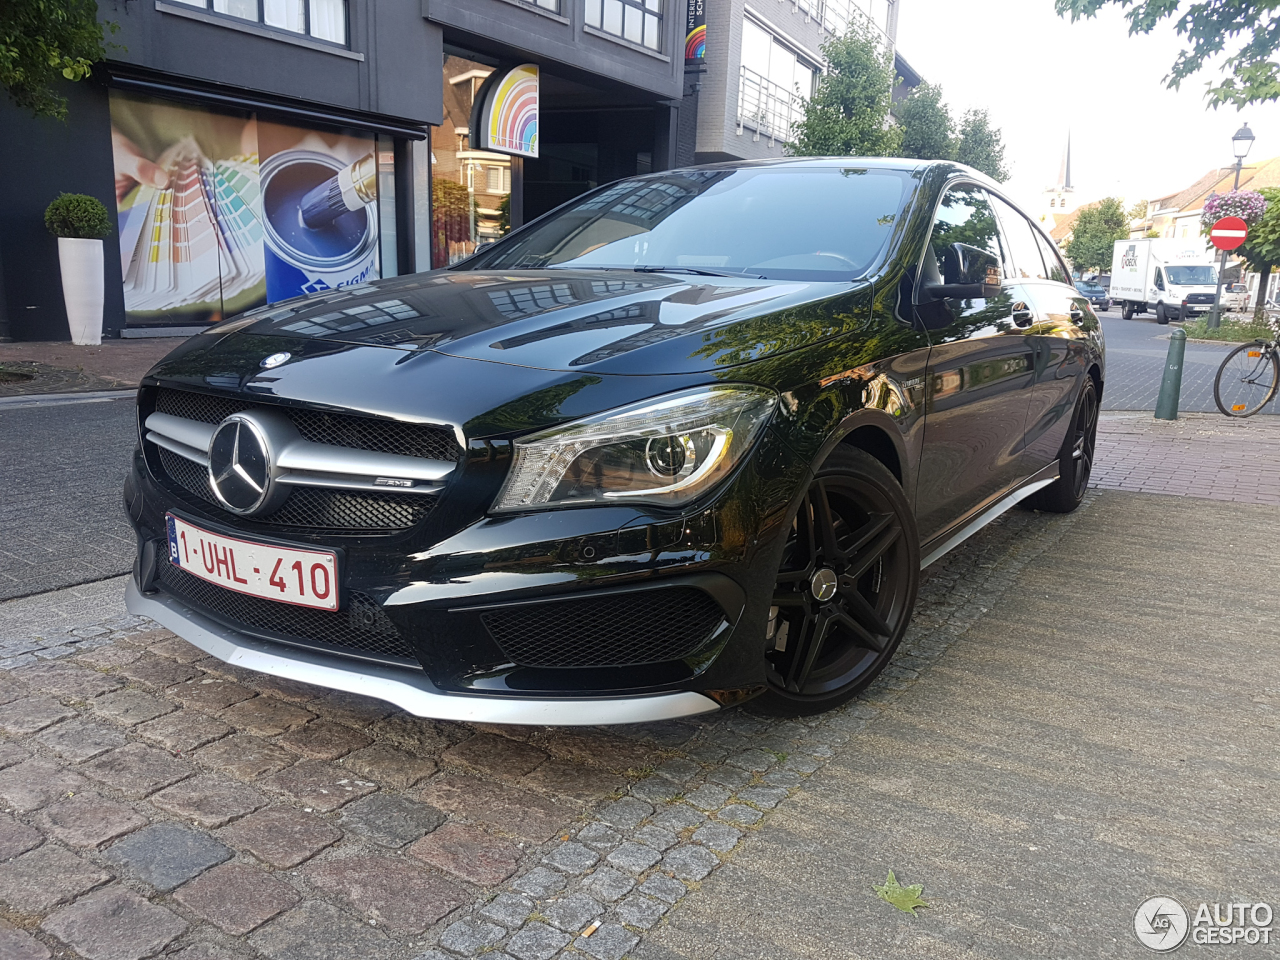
1244,383
1161,316
1126,310
1075,458
845,590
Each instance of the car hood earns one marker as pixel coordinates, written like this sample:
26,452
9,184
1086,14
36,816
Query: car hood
601,321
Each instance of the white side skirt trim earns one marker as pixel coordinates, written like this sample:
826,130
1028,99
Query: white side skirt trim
419,698
982,519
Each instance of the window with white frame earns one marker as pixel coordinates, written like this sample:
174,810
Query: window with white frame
321,19
552,5
774,83
636,21
838,14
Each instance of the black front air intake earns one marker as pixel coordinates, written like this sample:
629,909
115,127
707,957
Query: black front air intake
361,627
616,630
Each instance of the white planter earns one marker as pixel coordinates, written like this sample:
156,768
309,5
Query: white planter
82,285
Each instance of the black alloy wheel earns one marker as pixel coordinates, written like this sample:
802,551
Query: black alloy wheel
845,589
1075,459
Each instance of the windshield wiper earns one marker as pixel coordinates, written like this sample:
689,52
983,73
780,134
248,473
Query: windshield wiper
700,271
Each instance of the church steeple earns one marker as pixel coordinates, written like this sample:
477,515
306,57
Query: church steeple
1059,199
1064,172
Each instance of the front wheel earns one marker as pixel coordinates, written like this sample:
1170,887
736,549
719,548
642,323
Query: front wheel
845,588
1246,381
1161,316
1075,459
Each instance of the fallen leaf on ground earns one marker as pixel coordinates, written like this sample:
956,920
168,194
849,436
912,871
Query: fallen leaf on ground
905,898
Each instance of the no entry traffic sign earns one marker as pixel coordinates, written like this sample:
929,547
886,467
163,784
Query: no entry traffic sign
1229,233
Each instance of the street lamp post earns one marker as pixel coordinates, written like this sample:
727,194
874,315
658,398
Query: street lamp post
1241,142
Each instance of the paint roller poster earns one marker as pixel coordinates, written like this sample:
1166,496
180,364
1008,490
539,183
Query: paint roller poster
210,211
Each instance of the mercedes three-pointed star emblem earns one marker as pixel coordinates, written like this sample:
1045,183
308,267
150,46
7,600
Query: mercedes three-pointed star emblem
240,464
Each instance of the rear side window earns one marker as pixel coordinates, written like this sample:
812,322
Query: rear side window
1027,263
1057,269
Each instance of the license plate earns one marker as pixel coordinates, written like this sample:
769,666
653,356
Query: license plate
305,578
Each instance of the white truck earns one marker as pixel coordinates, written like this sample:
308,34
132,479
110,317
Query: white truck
1174,279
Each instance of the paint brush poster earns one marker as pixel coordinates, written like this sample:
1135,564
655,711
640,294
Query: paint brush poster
210,211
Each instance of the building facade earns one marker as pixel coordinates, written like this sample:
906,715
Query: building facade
252,150
754,64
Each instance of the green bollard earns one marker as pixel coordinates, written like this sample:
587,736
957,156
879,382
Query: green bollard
1171,383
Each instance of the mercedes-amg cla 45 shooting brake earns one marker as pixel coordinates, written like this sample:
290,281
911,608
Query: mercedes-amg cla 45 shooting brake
684,442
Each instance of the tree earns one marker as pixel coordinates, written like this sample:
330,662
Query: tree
848,114
981,145
42,41
1138,211
928,132
1261,251
1248,29
1095,233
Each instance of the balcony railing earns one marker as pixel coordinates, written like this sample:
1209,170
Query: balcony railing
766,107
836,15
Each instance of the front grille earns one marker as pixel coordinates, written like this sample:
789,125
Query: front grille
621,630
362,626
1200,298
429,441
317,508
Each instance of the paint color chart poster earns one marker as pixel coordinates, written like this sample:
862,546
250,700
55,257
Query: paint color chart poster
209,207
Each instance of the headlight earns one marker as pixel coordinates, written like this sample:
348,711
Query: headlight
668,451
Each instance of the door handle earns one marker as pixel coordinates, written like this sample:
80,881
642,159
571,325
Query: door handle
1023,316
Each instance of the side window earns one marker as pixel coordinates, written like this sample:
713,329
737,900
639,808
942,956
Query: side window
964,216
1020,238
1057,269
1159,279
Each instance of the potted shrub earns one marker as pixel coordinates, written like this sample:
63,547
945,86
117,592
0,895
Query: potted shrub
80,222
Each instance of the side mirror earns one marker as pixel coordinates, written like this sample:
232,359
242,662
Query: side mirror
968,274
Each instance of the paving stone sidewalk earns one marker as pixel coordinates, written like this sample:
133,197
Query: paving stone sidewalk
160,802
1105,732
41,367
1198,455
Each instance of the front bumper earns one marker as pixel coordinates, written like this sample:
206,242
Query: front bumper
410,690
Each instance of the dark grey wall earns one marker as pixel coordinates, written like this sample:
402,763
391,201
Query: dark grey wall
38,160
550,40
399,75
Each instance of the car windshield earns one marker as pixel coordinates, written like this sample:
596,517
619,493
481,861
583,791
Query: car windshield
1186,276
1090,289
779,223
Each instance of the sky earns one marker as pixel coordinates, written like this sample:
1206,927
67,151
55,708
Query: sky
1040,75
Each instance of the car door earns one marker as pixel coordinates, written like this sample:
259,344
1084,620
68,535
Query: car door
978,376
1061,317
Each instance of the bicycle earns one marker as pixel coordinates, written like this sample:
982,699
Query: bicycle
1247,380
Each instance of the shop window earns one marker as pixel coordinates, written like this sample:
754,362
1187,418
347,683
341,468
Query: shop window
636,21
470,189
322,19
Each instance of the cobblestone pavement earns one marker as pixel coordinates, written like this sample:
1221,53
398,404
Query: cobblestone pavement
1198,455
1136,352
160,802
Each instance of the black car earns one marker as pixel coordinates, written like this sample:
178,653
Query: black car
684,442
1096,294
